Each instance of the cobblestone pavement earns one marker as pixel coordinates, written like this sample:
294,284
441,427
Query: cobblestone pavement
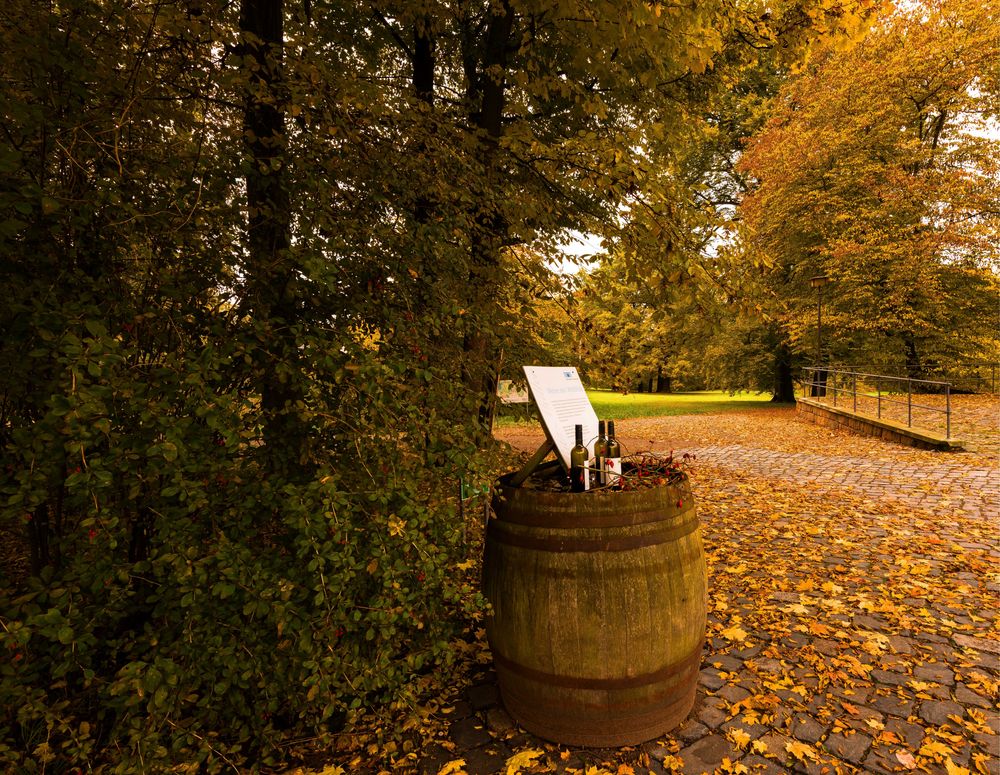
853,613
943,488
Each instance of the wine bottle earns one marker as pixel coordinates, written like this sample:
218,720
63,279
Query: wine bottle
601,452
579,474
613,460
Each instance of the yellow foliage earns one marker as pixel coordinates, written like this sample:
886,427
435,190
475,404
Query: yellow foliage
521,760
735,633
738,737
801,751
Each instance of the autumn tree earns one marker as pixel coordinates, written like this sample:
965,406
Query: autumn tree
888,184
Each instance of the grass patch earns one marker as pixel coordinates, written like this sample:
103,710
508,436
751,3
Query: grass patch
611,405
615,406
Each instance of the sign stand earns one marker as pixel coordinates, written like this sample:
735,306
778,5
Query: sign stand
562,404
533,464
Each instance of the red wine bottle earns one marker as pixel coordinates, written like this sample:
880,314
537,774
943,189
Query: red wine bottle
613,460
579,473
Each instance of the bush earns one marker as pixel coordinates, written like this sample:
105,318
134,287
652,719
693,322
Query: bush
193,601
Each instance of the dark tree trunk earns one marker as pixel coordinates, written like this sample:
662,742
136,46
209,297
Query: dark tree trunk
423,62
487,92
784,387
662,383
914,366
270,274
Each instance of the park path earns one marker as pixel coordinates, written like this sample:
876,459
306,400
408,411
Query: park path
853,617
941,488
774,444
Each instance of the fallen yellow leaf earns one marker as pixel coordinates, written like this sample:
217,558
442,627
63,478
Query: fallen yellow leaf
735,768
801,751
935,750
735,633
954,769
738,737
849,708
522,759
454,767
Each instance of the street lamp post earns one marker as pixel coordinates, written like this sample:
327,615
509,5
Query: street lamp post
817,282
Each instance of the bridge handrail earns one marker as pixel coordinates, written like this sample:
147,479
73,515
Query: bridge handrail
824,379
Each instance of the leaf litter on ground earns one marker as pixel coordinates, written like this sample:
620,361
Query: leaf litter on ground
863,616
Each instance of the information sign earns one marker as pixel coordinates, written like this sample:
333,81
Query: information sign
508,394
562,404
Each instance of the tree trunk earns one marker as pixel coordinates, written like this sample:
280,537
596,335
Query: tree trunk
914,366
662,383
784,387
487,89
270,273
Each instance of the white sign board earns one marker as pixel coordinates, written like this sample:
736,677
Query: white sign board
562,403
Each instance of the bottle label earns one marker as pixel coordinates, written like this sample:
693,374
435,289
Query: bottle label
613,467
602,474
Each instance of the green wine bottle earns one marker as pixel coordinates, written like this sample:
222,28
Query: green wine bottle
579,474
601,452
613,461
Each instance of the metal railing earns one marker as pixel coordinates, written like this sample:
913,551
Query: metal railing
964,376
818,381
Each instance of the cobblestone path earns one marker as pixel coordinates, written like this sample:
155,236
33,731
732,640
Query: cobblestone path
942,488
853,622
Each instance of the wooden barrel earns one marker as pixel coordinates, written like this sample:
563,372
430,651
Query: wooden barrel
599,611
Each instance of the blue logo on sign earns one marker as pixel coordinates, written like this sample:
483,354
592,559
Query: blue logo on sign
568,374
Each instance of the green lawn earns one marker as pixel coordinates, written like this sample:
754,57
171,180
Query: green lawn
611,405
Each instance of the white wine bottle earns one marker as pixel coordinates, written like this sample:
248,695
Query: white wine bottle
613,461
579,474
601,452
